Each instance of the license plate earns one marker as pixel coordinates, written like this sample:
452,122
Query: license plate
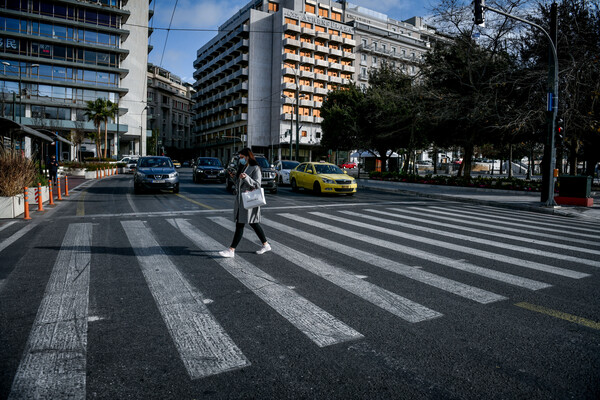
158,181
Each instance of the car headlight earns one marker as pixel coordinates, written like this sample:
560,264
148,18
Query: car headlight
173,174
326,180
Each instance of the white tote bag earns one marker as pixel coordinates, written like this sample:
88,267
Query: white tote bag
253,198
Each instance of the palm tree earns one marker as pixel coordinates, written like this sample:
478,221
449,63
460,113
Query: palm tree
95,112
110,111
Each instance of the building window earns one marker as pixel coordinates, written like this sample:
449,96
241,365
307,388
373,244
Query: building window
375,45
323,12
346,35
306,25
374,61
273,6
291,21
393,50
336,16
334,32
363,58
319,28
365,43
309,8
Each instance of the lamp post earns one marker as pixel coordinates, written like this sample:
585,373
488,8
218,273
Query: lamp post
7,64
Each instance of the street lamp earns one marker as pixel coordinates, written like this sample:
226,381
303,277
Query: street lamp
7,64
142,126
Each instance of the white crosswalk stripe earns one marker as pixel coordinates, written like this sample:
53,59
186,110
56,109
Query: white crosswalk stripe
203,345
457,288
457,264
395,304
480,222
473,239
320,326
455,247
54,360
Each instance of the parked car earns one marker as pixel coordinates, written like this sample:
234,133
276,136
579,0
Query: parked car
155,172
131,166
283,168
269,181
348,165
322,178
208,168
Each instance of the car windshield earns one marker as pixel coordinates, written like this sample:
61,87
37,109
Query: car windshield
328,169
209,162
263,162
155,163
289,164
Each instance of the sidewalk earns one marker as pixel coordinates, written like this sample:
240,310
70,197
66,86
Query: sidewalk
492,197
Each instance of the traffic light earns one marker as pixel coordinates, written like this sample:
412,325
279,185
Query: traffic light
560,130
478,12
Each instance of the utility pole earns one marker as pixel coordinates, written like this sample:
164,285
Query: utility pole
547,196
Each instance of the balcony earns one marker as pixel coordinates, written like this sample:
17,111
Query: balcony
321,90
307,74
322,77
308,31
322,63
348,56
322,49
349,42
306,89
335,66
287,42
291,57
288,86
348,68
307,60
307,46
292,28
336,52
335,79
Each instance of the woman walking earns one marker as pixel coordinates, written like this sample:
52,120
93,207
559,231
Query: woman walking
247,177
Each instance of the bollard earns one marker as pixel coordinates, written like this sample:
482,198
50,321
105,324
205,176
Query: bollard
26,205
38,197
66,186
51,194
116,170
58,188
96,174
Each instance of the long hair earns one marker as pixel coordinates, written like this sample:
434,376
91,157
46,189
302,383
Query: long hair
251,159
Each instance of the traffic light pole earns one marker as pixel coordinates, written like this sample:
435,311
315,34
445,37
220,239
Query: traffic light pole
547,196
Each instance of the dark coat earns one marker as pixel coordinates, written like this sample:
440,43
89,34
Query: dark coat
251,182
53,166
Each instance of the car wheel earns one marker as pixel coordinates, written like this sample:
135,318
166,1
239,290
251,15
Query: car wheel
294,186
176,188
317,188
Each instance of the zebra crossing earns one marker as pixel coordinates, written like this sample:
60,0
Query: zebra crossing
53,363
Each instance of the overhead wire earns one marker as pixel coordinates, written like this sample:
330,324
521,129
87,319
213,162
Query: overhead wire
168,31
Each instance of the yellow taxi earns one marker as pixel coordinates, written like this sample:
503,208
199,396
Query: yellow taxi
176,164
321,177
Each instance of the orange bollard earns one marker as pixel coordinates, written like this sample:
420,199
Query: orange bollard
66,186
58,188
51,194
26,205
38,197
116,170
96,174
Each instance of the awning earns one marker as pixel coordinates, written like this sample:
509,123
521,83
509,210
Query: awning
57,136
6,123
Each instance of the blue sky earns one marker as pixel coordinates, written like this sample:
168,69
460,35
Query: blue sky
180,51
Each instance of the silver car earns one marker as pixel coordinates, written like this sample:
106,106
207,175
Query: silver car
155,172
283,168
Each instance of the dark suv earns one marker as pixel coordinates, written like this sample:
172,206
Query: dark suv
208,169
268,173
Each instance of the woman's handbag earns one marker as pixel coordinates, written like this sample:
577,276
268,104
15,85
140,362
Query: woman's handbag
253,198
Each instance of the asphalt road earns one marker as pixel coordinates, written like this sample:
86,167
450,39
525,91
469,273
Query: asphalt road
112,295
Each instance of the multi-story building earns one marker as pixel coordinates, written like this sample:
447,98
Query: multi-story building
58,54
262,79
170,110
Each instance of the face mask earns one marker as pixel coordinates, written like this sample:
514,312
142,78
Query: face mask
243,161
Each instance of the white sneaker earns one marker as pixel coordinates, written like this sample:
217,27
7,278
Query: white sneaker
227,253
264,249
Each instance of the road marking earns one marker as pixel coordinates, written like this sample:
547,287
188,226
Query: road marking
524,229
195,202
402,307
80,204
487,242
16,236
203,345
132,204
54,361
317,324
491,233
560,315
448,285
7,225
456,247
457,264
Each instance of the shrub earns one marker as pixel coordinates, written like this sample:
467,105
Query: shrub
16,172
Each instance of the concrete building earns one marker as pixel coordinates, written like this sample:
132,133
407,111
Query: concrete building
57,55
262,79
170,112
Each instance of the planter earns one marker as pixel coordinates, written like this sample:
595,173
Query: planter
11,207
33,190
90,174
77,171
